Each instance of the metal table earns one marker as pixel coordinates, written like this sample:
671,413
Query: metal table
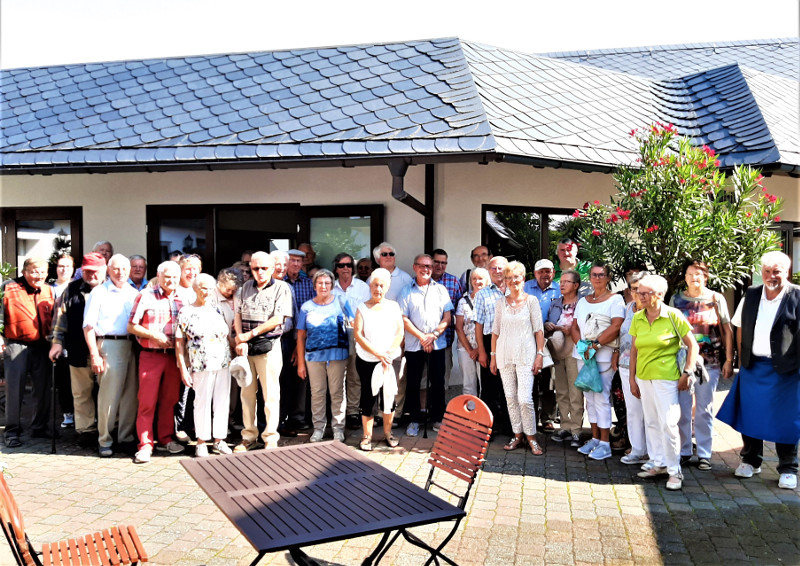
291,497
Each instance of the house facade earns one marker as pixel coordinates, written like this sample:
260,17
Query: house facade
410,142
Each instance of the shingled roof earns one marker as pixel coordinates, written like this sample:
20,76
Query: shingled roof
422,101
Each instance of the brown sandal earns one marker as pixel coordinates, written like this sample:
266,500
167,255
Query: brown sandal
366,444
514,443
536,450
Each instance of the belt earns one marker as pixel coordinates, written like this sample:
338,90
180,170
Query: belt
113,337
160,350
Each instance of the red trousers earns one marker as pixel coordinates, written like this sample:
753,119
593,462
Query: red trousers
159,386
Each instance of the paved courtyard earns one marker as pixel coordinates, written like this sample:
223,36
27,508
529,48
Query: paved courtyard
560,508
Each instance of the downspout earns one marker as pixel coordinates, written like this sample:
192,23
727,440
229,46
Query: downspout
398,170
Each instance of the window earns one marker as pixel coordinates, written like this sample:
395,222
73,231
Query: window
525,234
41,231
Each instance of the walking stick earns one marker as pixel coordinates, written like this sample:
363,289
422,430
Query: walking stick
53,408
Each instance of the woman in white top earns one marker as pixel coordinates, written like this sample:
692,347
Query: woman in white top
611,307
465,329
378,330
517,351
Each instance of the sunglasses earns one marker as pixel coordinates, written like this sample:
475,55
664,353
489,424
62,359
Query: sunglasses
344,265
259,268
385,254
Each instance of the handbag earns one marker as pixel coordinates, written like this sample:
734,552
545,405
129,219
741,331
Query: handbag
596,324
699,373
547,359
560,345
589,378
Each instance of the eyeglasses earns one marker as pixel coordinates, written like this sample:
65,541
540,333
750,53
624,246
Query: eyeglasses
424,265
387,254
347,265
258,268
645,293
598,275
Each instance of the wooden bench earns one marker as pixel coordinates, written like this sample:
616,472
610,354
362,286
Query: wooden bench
109,547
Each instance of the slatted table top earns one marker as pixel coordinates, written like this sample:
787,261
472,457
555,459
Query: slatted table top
312,493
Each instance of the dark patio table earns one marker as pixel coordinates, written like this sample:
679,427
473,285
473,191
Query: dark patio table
292,497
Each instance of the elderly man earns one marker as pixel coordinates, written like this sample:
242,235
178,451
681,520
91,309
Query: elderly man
105,328
281,264
138,276
153,319
545,290
27,317
455,290
68,336
104,248
262,307
355,292
385,256
191,266
309,259
427,312
567,252
480,256
294,390
764,401
485,302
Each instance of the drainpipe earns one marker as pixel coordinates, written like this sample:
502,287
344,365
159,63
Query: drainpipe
398,169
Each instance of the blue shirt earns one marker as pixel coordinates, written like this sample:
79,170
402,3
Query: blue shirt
138,287
545,297
485,302
326,337
425,308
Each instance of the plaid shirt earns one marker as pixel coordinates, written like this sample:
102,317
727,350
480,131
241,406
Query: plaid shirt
154,310
455,290
485,302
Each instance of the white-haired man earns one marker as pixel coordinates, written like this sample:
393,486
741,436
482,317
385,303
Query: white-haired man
105,329
386,257
764,401
153,320
262,306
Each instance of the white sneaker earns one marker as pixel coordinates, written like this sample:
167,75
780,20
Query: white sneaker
143,455
746,471
317,436
589,446
634,459
338,435
201,451
413,429
222,447
437,426
788,481
69,420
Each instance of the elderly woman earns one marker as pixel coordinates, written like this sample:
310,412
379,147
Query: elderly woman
517,352
707,312
202,337
378,332
322,351
465,330
657,331
559,328
606,311
634,420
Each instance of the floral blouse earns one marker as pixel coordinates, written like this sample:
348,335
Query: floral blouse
206,336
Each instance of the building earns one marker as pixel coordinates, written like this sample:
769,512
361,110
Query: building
412,142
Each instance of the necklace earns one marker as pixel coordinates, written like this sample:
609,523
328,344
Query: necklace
595,298
518,300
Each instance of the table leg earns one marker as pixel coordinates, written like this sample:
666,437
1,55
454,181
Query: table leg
258,558
380,550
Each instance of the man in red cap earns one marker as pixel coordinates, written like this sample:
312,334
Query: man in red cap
68,335
26,315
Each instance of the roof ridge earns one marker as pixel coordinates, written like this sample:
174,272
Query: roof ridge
671,47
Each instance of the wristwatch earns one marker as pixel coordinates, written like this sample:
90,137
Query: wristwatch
540,353
436,333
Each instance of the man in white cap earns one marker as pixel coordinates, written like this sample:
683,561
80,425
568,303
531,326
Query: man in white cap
545,290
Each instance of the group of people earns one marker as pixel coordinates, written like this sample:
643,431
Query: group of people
278,344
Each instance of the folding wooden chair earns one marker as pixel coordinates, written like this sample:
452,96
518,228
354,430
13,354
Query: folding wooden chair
459,450
110,547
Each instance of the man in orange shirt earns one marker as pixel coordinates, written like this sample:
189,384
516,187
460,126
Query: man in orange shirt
27,317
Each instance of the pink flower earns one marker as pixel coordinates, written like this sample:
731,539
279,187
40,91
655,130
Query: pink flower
772,198
596,233
777,219
652,228
576,214
716,163
748,214
633,132
708,151
759,179
597,202
586,205
683,181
